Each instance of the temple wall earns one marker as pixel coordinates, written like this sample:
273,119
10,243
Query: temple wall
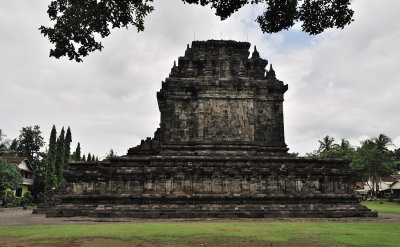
211,121
192,186
218,179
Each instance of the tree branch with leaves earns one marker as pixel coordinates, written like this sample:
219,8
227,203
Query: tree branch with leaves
77,23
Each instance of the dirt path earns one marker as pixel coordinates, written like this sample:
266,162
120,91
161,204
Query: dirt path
19,217
208,242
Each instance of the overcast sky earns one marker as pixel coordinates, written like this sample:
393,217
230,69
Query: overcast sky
344,83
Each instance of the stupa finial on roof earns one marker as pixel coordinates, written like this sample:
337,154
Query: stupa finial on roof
255,52
271,72
174,70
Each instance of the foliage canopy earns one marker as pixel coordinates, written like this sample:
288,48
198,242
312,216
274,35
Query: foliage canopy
373,155
78,22
30,141
10,176
50,177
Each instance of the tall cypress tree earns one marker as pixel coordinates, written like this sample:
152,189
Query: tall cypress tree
89,157
67,148
60,156
78,152
50,179
83,158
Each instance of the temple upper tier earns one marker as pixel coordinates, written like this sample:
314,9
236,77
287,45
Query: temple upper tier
217,100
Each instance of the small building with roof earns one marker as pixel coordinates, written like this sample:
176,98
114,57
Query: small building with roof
27,173
395,187
388,187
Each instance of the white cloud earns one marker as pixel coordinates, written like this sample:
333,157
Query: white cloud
343,83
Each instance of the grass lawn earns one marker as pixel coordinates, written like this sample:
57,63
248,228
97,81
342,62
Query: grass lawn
204,234
383,206
211,234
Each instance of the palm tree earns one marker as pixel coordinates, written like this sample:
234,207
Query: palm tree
345,144
382,142
3,142
326,144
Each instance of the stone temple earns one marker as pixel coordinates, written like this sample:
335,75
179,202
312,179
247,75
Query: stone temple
219,152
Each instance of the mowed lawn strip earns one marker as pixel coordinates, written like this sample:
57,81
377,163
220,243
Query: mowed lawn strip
383,206
356,234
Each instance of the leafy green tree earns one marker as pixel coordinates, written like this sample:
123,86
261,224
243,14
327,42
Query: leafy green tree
377,163
3,141
345,144
13,149
40,176
110,154
342,151
78,22
30,141
59,165
89,157
67,148
78,152
10,176
395,154
51,178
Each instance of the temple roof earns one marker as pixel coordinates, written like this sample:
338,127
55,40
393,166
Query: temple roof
219,58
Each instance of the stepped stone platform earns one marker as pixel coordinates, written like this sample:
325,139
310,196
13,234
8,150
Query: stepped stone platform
219,152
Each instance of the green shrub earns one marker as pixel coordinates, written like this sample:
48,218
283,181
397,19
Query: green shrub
2,195
16,202
23,201
9,199
28,196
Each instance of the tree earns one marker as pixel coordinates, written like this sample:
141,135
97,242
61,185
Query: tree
326,144
373,156
83,158
382,142
10,176
51,178
89,157
3,142
13,149
78,152
30,141
40,177
396,159
342,151
345,144
59,165
329,149
377,162
110,155
78,22
67,148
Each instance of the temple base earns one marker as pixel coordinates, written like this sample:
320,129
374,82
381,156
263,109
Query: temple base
203,187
